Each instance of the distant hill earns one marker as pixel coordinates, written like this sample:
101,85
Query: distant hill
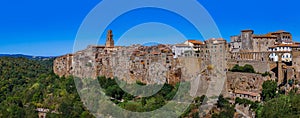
26,56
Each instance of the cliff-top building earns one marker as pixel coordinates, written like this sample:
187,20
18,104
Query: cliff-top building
247,41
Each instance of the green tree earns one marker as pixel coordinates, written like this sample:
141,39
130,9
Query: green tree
248,68
282,106
269,90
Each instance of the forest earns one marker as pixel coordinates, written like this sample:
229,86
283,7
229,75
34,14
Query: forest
27,84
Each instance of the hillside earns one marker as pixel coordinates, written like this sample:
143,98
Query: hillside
27,84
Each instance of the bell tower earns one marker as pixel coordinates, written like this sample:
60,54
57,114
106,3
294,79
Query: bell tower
109,40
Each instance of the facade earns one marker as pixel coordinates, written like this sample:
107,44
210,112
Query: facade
247,95
243,41
214,51
235,44
285,57
262,42
283,37
179,50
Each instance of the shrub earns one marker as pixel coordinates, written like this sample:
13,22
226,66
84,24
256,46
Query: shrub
247,68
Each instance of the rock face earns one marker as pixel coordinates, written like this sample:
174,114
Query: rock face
245,81
63,65
244,85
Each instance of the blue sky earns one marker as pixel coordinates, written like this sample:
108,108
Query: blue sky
49,27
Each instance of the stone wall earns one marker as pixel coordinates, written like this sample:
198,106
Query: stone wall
260,67
261,44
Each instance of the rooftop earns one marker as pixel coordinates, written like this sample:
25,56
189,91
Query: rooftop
246,93
247,30
196,42
286,45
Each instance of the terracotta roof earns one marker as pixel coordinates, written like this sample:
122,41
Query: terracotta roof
142,53
196,42
218,39
155,53
96,46
269,35
166,50
246,93
280,31
288,45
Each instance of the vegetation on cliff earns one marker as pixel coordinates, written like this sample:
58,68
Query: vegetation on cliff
278,104
26,85
247,68
150,103
30,84
227,109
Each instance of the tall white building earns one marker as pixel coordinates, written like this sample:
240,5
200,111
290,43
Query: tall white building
179,49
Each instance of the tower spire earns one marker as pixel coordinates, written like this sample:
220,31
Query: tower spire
109,39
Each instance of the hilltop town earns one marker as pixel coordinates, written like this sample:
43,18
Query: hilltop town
273,56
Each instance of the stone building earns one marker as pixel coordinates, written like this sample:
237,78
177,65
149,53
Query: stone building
262,42
242,42
273,52
283,36
215,51
247,41
42,113
195,44
247,95
287,48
